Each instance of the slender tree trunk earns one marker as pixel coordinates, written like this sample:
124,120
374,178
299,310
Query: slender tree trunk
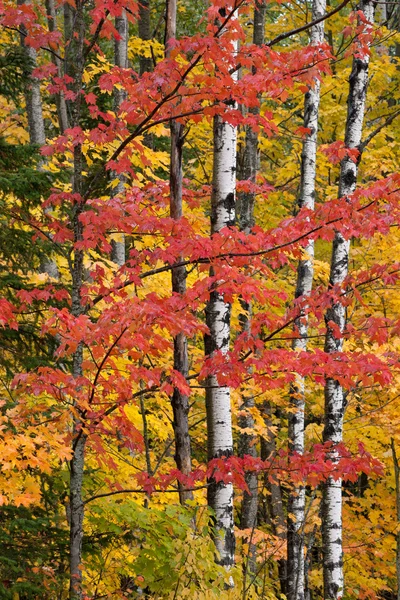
144,23
296,499
33,99
397,482
247,442
75,64
179,401
37,135
334,393
60,99
274,497
218,312
121,60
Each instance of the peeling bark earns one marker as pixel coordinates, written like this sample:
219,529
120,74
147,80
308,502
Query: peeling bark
218,312
305,272
335,400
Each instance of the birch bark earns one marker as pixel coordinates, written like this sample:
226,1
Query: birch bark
33,99
218,315
335,400
60,99
121,60
296,499
37,134
179,401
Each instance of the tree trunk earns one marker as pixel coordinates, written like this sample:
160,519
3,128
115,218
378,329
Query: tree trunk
37,135
145,62
179,401
60,99
397,482
334,393
247,442
296,499
75,64
274,496
121,60
218,312
33,99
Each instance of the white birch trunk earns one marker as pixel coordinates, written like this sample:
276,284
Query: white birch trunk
334,393
60,98
305,271
121,60
218,312
33,99
37,134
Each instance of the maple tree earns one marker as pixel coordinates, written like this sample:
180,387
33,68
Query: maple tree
139,303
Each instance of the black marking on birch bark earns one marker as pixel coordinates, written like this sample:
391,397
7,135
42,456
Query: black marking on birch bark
209,344
225,342
226,319
349,179
227,453
229,205
230,545
304,272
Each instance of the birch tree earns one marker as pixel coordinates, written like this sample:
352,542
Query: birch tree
218,315
179,400
33,99
335,399
296,499
57,61
34,113
121,60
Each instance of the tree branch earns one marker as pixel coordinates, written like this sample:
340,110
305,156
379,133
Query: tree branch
284,36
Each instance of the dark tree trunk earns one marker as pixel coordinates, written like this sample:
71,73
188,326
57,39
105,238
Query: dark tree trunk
179,401
247,441
74,61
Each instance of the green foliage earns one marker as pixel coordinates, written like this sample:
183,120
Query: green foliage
164,548
15,67
19,174
33,550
